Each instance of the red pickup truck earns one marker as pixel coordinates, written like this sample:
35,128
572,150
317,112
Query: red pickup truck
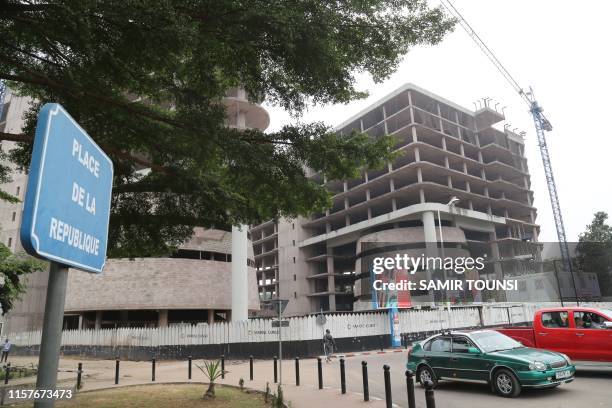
583,333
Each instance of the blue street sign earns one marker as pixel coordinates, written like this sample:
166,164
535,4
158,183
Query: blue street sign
67,203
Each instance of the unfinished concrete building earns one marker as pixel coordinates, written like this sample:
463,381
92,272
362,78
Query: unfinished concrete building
446,151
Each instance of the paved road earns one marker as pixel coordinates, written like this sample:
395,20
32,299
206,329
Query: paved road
592,387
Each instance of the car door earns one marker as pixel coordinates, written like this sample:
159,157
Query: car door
593,342
554,333
438,356
465,365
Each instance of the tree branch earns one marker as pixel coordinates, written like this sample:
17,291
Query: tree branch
23,138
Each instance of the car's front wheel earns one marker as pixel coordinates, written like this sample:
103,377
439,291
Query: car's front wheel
424,373
506,384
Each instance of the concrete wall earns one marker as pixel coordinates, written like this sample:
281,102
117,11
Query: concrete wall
156,283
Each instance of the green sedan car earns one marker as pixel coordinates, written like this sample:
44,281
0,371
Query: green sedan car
490,357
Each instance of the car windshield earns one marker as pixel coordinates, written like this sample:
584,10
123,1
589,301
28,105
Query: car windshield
491,341
607,313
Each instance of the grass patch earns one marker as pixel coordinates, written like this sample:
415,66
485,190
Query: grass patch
162,396
18,372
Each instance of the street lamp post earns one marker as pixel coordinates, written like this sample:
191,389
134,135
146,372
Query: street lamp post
454,200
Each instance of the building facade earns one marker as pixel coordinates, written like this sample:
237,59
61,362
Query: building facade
447,154
192,286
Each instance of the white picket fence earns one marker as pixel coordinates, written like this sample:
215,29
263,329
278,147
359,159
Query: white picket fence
300,328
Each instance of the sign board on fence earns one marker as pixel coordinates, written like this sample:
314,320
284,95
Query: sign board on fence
283,323
67,203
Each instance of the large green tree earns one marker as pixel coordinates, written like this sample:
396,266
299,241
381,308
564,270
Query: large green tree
13,267
594,251
145,78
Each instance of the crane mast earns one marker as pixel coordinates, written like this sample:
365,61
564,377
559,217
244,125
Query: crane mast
542,125
2,94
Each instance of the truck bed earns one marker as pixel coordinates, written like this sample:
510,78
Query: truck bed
524,334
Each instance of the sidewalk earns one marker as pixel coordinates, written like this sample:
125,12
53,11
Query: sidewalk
99,374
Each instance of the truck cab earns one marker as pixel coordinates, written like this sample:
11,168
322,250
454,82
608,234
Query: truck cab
583,333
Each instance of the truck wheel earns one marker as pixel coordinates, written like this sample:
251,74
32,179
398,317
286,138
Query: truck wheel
506,384
424,373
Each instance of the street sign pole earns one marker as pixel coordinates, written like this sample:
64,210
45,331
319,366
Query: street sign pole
280,343
48,359
65,220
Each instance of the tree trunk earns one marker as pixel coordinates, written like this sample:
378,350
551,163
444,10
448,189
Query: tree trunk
210,392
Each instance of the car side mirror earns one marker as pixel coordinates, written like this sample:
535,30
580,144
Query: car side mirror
473,350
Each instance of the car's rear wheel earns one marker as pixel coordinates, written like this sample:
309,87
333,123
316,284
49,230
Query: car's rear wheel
506,384
424,373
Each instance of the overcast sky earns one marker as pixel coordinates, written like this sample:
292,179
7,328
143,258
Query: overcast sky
561,49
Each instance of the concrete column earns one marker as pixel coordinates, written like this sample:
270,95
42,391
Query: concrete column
431,242
240,294
80,321
162,318
422,195
98,324
240,120
417,155
414,133
331,281
211,316
429,226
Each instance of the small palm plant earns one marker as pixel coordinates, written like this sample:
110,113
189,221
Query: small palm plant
212,371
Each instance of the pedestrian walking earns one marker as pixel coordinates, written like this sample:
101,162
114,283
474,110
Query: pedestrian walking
329,345
6,348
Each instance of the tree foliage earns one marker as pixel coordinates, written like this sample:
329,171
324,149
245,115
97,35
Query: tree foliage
594,250
146,80
13,267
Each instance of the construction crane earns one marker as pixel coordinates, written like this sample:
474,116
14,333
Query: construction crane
542,125
2,94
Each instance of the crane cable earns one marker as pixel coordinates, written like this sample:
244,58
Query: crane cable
486,50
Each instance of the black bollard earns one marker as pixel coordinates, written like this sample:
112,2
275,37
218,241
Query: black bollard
251,367
222,366
430,401
7,372
320,372
275,370
189,368
366,387
410,389
117,370
297,371
153,369
342,377
388,398
79,371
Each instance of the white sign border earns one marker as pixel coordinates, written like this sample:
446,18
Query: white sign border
53,113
